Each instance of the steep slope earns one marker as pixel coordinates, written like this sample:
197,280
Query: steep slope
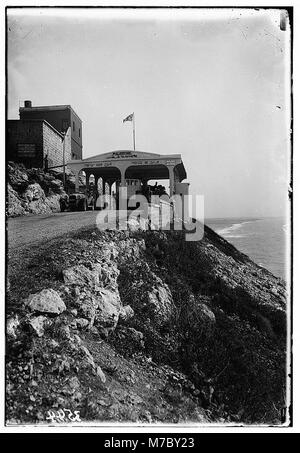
151,329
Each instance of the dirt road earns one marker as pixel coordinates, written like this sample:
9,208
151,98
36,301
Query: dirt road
28,237
32,230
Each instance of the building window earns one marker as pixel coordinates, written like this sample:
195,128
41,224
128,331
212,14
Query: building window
64,125
73,126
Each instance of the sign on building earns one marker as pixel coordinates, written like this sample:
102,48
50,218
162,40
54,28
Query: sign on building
26,149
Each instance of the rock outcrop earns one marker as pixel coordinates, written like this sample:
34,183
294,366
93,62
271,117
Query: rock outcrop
37,325
47,301
16,206
96,292
159,302
33,191
17,176
143,326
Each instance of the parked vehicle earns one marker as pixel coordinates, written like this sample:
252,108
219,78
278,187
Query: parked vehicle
64,202
78,202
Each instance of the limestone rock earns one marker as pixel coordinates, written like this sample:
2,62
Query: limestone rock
71,387
15,204
205,318
81,276
108,273
12,327
34,192
52,203
108,250
108,310
37,207
97,295
53,344
82,323
87,308
101,374
64,332
160,302
47,301
131,248
88,360
74,383
132,335
37,325
17,176
126,313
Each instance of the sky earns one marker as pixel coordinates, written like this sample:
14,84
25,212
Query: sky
209,84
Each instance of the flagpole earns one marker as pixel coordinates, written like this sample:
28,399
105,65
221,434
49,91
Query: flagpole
133,130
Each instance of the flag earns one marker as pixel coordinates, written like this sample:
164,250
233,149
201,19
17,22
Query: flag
129,118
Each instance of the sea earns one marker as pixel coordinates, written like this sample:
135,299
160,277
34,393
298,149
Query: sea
264,240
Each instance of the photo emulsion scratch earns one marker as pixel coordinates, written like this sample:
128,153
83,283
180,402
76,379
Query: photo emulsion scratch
148,221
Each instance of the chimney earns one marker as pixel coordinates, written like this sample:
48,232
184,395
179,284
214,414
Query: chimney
27,104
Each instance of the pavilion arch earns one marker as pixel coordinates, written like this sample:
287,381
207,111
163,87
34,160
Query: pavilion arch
91,178
145,172
138,176
106,176
81,179
122,165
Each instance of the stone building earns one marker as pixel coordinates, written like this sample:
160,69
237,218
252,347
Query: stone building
52,132
61,117
30,141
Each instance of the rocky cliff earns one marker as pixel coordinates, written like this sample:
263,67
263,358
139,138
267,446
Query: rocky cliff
33,191
141,326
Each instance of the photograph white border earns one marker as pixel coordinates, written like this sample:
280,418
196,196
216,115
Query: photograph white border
149,429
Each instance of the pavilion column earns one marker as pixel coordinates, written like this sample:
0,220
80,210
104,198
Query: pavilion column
103,186
87,181
76,180
171,179
123,180
144,182
113,198
123,189
96,182
109,191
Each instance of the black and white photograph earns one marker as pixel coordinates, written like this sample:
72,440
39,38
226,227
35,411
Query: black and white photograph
148,216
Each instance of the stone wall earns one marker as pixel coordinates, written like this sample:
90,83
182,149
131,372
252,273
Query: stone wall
53,146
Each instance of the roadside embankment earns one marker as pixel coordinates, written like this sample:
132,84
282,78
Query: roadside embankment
142,326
